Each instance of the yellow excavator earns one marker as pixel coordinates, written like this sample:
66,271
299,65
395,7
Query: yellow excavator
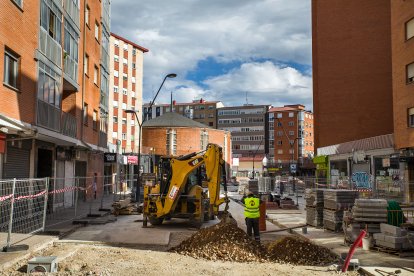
188,187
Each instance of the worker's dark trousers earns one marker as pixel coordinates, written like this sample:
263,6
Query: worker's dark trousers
253,224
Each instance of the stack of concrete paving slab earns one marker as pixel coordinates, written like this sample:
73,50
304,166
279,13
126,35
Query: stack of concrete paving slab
314,207
253,186
335,202
393,237
368,214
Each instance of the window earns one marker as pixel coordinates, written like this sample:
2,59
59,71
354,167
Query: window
95,75
124,106
279,142
97,30
410,73
18,3
134,66
116,43
126,47
203,139
115,119
11,69
133,94
279,115
85,113
115,103
115,134
124,61
290,114
134,52
116,89
279,151
291,123
409,29
125,77
291,133
291,151
48,86
86,65
123,136
51,20
95,120
116,74
116,58
124,121
132,123
133,80
411,117
279,133
124,91
171,143
132,138
87,14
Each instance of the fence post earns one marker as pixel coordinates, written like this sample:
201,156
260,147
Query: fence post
76,195
45,204
11,214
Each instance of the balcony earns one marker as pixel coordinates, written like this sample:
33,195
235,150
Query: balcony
50,48
71,74
103,139
53,118
73,12
105,14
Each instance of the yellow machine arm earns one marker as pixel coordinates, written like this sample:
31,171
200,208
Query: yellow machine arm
182,167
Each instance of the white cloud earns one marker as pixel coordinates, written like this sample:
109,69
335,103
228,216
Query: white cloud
181,33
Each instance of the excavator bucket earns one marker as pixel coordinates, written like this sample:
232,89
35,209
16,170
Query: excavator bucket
225,216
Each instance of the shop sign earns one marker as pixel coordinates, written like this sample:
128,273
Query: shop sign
131,159
110,157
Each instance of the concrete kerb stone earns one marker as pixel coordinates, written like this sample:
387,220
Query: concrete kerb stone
5,263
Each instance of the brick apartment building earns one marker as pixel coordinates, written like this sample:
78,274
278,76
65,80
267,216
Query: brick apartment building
126,59
291,138
55,87
363,72
248,125
200,110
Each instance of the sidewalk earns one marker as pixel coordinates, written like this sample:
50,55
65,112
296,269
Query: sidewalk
57,225
369,260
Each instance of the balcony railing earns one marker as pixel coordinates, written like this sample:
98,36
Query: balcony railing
71,68
73,11
50,48
103,139
68,124
53,118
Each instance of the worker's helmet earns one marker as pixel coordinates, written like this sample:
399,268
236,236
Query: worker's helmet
250,193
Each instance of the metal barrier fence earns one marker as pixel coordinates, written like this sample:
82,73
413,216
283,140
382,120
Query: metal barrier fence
28,206
23,206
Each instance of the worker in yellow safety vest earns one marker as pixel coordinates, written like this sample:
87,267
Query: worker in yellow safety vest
252,214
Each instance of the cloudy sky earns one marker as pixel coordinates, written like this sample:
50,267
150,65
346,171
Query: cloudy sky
222,49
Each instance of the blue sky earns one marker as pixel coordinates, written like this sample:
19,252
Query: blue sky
221,49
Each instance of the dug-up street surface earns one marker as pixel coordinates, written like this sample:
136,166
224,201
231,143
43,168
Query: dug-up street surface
81,259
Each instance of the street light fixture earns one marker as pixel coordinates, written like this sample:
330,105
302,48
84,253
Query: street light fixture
137,191
170,76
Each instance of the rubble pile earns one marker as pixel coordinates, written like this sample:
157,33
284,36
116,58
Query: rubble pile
227,242
223,242
299,251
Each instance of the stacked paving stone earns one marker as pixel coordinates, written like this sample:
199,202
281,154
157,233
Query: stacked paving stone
314,207
335,202
368,214
393,237
254,186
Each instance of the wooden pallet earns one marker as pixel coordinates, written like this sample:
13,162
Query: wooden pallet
400,253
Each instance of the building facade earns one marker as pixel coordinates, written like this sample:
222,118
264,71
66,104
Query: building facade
291,137
52,66
364,128
126,63
201,111
248,125
402,37
352,79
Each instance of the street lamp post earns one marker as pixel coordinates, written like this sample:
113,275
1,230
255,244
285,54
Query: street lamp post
137,191
172,75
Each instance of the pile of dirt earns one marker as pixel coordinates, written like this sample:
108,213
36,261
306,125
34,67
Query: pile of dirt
299,251
224,242
227,242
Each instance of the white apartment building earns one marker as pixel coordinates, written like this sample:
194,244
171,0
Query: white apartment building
125,92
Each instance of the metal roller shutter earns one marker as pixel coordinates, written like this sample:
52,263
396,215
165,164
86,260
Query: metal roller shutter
17,163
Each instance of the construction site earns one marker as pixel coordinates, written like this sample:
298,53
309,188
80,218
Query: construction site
191,222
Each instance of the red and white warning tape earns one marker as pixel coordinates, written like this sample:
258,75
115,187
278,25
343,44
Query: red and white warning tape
4,198
66,189
29,196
